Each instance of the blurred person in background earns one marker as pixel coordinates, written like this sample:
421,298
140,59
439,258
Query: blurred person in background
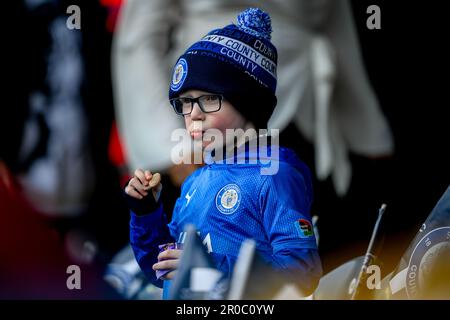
56,128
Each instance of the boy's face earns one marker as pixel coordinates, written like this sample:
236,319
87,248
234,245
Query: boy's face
226,118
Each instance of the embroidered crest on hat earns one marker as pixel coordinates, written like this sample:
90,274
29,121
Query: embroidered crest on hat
179,74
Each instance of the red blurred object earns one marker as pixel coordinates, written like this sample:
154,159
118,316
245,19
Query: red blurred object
116,3
117,154
113,7
115,150
33,259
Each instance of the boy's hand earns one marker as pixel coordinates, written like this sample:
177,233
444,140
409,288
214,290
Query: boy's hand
142,182
139,187
168,260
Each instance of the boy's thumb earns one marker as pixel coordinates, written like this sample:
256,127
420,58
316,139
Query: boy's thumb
156,179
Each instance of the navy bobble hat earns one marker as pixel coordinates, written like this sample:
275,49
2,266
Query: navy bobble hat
238,61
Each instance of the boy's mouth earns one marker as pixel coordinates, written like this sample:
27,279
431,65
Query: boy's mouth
197,134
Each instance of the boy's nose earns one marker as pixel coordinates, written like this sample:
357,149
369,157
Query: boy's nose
197,113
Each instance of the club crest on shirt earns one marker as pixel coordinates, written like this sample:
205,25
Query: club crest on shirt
179,74
304,228
228,198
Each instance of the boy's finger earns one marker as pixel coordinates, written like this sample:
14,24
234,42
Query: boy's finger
156,179
136,184
132,192
139,174
141,193
170,254
166,264
148,175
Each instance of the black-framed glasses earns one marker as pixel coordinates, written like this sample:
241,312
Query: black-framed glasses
208,103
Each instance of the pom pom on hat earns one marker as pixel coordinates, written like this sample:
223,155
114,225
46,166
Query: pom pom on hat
255,22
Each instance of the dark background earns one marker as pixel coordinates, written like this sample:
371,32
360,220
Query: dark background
407,63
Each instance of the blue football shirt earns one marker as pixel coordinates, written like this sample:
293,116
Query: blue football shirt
231,200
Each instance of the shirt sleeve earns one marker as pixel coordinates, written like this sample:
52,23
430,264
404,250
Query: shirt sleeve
285,203
146,233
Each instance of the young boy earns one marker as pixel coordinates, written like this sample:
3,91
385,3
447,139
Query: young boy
227,80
